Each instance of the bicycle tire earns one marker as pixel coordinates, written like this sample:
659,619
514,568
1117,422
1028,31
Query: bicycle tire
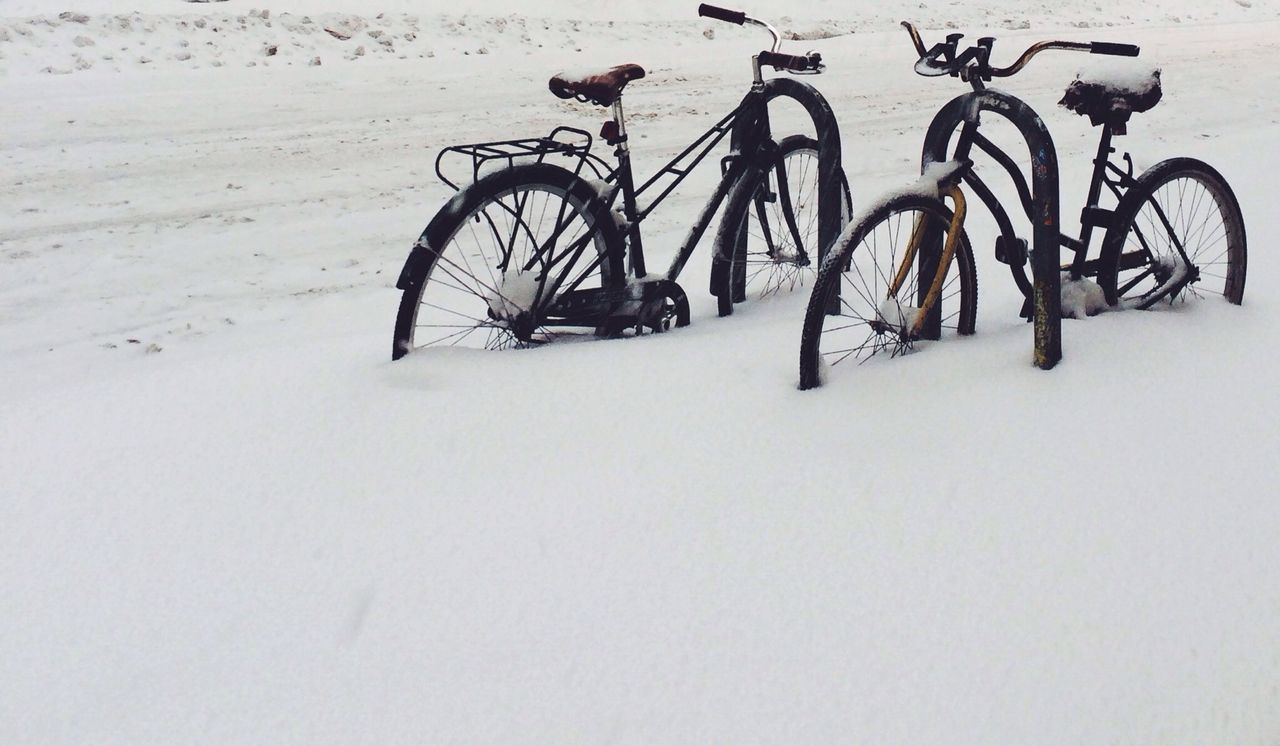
459,273
765,225
1183,199
868,249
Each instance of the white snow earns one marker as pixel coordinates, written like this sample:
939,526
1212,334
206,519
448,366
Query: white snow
934,174
580,75
515,294
1132,77
150,35
263,531
894,313
1081,297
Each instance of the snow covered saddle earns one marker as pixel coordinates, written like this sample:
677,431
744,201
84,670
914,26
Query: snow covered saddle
1109,98
599,88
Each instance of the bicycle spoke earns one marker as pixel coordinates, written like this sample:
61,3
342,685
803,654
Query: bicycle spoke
880,287
1181,222
504,262
779,225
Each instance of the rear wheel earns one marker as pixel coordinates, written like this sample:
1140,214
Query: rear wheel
1179,235
776,217
499,254
868,293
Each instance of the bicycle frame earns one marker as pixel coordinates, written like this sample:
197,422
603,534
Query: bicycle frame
752,150
1039,201
570,285
1105,173
1041,204
1118,181
750,140
750,110
748,128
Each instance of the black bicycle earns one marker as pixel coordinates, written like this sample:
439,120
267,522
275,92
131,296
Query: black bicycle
905,272
533,249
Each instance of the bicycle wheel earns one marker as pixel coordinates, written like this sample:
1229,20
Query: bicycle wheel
499,254
776,216
868,291
1178,234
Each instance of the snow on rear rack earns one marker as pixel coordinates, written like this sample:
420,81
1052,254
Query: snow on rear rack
479,159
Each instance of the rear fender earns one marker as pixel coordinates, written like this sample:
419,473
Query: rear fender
422,253
418,257
435,234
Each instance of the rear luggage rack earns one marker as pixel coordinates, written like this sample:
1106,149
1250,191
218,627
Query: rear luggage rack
567,142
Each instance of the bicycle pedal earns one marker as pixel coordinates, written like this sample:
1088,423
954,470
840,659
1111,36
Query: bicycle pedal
1013,253
1097,217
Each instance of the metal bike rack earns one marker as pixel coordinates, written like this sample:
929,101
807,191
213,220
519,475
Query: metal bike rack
1045,256
827,133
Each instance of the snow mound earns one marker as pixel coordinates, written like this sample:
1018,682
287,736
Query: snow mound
1081,298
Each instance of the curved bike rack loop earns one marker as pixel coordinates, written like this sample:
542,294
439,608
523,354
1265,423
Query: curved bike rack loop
1045,256
827,133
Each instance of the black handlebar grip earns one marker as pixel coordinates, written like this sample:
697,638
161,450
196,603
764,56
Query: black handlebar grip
793,62
721,14
1119,50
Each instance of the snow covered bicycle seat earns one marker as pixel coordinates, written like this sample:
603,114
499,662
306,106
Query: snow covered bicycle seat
592,86
1110,98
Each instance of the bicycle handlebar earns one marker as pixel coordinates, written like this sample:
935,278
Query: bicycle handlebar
796,63
1112,48
944,59
722,14
793,63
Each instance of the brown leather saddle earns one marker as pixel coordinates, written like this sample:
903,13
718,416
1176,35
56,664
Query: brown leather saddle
1107,103
599,88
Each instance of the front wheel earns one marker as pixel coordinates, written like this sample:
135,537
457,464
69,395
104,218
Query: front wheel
1178,234
771,225
870,290
495,260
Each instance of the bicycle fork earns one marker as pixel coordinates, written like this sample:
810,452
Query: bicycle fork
912,327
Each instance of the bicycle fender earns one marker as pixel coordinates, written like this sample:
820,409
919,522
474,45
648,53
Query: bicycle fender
418,257
437,232
420,254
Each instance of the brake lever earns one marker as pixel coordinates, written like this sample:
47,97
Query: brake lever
816,64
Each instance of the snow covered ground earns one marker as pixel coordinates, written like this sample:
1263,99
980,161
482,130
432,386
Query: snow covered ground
228,518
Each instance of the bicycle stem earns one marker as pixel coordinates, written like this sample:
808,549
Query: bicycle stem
777,37
757,76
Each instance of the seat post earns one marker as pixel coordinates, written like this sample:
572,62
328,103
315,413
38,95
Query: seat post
619,119
1093,215
1100,164
622,151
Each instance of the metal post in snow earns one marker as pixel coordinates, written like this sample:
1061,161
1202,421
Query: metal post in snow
1046,235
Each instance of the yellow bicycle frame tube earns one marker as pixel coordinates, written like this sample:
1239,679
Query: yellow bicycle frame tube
944,263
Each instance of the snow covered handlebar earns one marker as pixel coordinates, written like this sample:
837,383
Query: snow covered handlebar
945,58
794,63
